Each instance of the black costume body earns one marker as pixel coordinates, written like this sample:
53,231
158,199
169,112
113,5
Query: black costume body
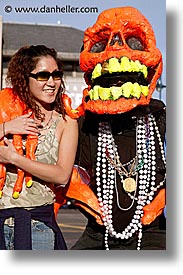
124,133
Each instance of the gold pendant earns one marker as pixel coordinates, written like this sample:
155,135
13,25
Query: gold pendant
129,185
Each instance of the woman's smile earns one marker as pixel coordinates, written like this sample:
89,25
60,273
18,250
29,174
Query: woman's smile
49,91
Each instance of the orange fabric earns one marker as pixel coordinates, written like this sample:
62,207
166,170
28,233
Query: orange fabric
78,190
10,107
73,113
154,209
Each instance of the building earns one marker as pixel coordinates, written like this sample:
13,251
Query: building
65,39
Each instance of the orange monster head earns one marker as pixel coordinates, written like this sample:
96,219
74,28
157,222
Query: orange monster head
120,61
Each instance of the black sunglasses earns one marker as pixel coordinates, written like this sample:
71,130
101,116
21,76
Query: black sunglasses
44,75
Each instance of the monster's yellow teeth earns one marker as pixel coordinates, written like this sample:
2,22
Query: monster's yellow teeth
127,90
119,65
97,71
114,65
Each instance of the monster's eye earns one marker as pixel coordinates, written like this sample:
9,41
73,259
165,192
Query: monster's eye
98,47
135,43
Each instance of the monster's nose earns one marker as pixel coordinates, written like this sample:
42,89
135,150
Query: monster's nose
116,39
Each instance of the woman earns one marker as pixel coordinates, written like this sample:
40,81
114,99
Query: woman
36,77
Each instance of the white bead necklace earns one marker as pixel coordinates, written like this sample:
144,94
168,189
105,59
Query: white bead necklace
145,185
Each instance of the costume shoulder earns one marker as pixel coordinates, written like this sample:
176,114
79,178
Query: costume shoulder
88,124
157,105
158,109
154,106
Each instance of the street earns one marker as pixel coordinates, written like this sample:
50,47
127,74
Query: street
72,223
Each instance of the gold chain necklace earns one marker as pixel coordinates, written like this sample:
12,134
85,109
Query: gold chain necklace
47,126
129,183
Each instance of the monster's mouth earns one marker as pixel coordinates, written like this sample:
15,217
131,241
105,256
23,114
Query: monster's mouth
116,78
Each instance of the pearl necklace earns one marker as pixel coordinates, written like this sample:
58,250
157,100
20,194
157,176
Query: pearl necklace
145,176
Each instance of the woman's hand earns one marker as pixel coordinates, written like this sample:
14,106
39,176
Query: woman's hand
7,152
24,125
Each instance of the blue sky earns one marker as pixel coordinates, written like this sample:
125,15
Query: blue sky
154,10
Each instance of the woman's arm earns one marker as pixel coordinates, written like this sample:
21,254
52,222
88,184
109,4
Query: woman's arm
23,125
58,173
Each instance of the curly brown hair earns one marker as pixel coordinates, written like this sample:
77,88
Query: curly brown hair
19,68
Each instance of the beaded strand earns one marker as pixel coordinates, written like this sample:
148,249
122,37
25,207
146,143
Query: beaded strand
145,176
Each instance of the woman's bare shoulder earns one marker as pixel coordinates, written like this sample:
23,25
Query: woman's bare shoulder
71,121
